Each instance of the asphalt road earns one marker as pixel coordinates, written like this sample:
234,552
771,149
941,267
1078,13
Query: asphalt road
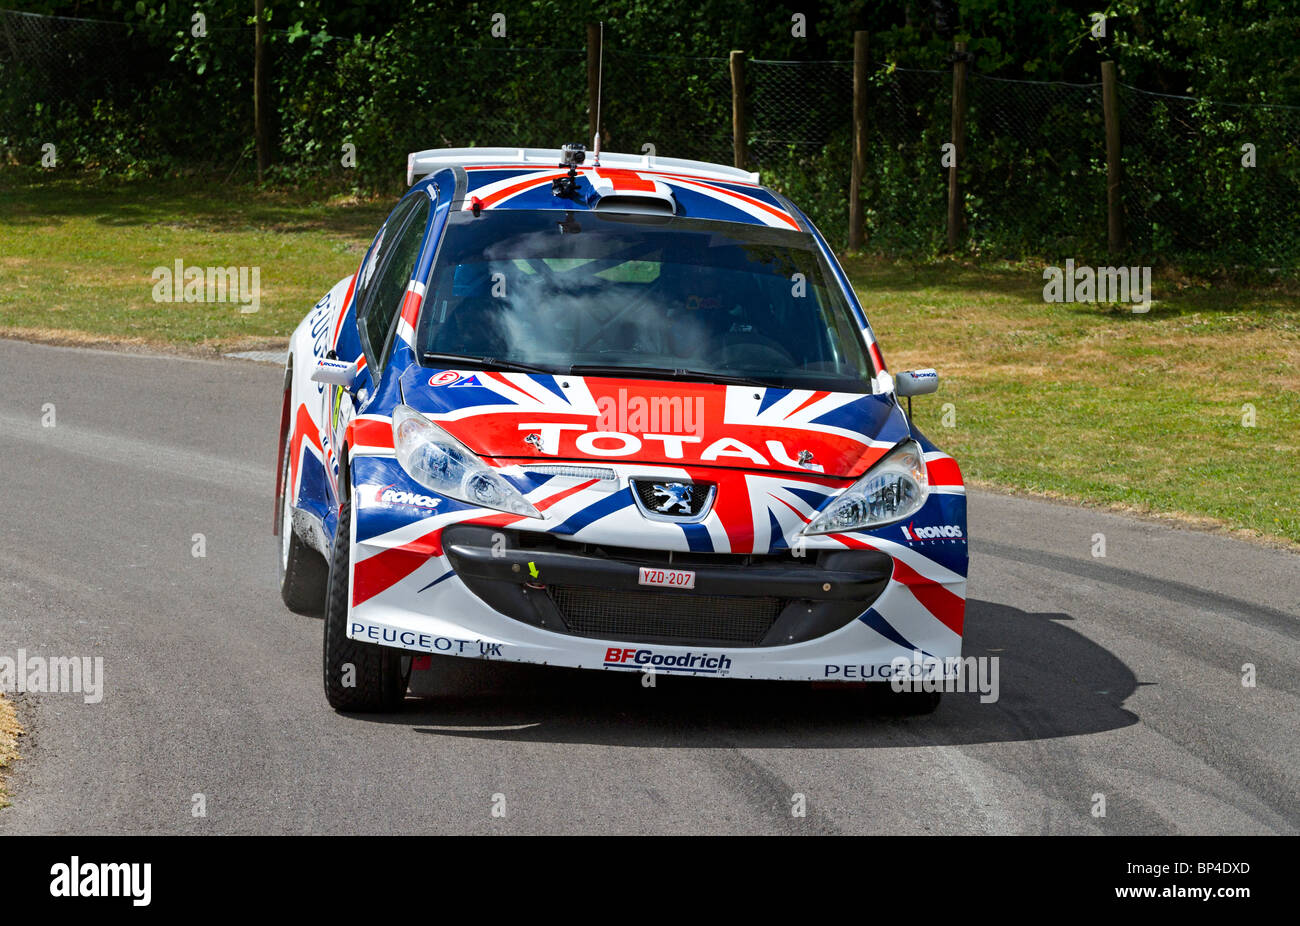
1120,676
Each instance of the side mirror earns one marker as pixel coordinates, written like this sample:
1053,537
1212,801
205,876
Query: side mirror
916,382
335,373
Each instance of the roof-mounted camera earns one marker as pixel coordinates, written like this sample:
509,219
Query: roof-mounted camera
572,155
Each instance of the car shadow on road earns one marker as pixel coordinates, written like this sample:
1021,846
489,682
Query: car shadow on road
1052,680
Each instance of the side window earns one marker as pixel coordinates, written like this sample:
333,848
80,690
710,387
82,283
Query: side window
376,253
385,288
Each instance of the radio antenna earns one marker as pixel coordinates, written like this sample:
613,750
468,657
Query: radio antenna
600,83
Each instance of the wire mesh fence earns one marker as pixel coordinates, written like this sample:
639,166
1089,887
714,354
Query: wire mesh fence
114,96
905,182
799,133
1211,178
680,105
456,97
1214,181
1036,167
51,58
796,106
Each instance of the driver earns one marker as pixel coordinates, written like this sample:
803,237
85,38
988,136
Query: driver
696,328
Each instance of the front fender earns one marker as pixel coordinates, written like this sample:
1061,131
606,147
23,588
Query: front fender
304,421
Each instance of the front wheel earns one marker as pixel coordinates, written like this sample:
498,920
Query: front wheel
359,676
913,703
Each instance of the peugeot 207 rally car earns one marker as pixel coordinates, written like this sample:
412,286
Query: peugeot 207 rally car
618,413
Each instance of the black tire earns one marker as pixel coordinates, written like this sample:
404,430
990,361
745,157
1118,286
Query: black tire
303,572
913,703
379,674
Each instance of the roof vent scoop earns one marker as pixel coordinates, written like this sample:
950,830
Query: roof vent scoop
619,190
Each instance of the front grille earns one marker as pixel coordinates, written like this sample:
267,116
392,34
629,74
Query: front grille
665,617
669,498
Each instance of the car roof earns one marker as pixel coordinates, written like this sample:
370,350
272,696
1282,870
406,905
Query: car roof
521,178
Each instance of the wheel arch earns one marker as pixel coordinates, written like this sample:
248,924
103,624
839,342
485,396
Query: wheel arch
286,414
345,472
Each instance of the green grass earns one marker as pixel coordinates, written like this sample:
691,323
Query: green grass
1097,403
77,256
1087,402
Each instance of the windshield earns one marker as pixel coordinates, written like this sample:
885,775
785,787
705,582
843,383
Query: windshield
570,291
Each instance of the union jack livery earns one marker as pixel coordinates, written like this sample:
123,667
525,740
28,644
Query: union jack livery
608,412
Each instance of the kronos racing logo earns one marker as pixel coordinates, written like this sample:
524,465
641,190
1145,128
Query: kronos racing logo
933,532
387,495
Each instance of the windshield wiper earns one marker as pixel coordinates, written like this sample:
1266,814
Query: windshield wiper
487,363
592,369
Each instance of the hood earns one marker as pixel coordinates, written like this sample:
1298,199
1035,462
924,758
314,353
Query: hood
518,417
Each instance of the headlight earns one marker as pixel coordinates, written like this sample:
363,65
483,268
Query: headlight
895,487
438,461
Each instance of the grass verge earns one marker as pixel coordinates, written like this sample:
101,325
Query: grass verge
1142,412
78,255
9,733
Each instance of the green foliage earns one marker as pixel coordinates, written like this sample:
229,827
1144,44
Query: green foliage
1188,191
817,183
131,91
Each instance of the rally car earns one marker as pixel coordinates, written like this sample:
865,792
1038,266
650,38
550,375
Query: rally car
610,412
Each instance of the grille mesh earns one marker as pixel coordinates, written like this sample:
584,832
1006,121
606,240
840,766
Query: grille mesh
651,500
665,616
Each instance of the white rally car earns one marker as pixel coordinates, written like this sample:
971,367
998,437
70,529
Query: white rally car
623,414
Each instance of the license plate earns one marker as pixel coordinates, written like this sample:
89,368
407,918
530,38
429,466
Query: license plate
669,578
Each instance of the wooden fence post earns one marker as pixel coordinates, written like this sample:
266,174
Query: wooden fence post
739,121
259,91
857,234
594,115
955,212
1114,167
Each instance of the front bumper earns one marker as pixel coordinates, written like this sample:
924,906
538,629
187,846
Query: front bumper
458,580
590,590
834,615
